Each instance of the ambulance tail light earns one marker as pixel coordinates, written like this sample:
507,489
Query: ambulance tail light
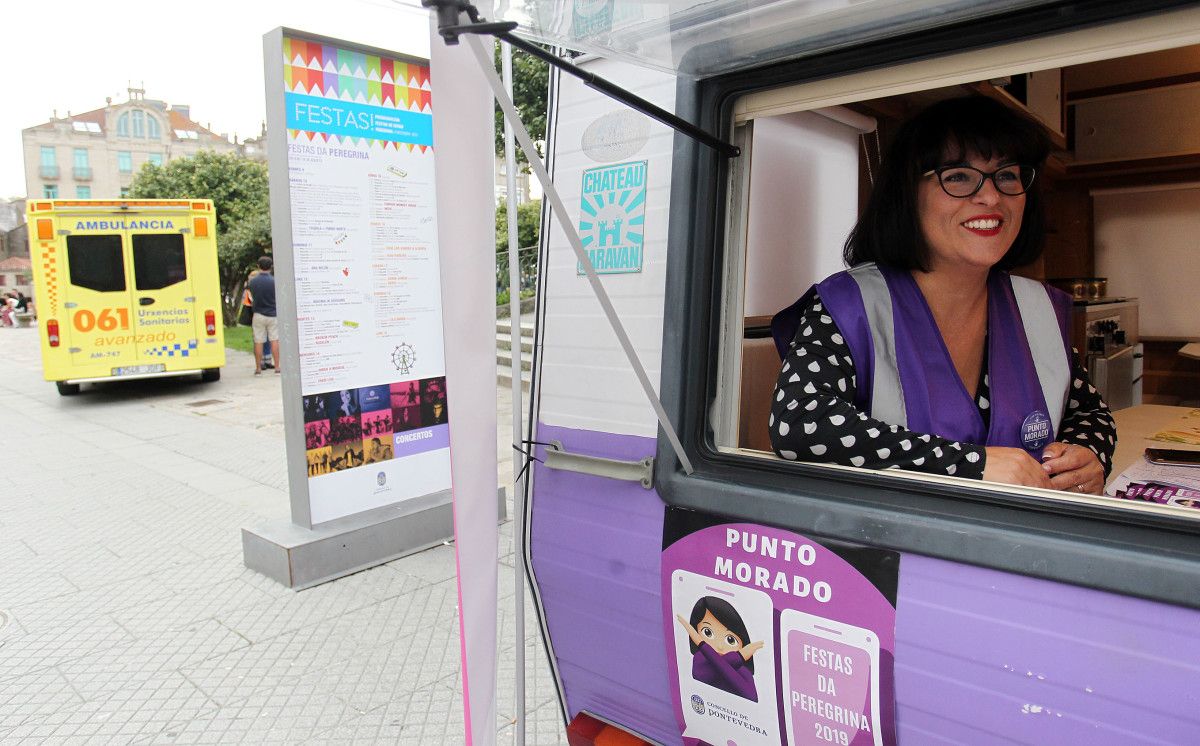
52,332
210,323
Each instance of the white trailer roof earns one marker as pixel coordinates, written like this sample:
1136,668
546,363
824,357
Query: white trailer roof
701,38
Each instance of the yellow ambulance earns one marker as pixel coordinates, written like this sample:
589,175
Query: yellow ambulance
126,289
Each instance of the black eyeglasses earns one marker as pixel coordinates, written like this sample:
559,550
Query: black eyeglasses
965,181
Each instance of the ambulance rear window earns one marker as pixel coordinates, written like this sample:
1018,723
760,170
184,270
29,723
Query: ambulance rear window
96,263
158,260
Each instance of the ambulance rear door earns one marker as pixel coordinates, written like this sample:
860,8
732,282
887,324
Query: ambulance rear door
166,318
97,298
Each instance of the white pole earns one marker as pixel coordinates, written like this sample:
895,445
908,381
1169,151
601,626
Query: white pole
464,136
514,318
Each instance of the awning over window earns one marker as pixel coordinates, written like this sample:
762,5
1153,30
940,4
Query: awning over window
704,38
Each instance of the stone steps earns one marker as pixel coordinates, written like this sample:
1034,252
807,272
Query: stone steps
504,347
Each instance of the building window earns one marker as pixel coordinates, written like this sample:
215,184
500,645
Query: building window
48,157
83,192
50,191
155,159
139,124
124,162
123,125
152,128
124,191
82,171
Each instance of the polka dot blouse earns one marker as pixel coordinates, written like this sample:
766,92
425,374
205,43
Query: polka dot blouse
813,417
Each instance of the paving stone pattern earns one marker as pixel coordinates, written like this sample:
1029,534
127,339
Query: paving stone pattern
126,615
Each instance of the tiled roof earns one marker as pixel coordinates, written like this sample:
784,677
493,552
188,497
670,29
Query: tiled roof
15,263
95,116
175,119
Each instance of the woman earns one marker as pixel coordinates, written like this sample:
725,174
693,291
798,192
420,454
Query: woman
927,355
8,309
721,657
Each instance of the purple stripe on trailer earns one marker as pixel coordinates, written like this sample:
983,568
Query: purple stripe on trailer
988,657
982,657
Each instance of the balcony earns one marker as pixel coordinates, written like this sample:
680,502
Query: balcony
48,172
82,173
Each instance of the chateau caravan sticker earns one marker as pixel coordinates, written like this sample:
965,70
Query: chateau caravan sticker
612,216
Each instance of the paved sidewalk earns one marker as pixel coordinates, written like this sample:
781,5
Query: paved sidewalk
126,615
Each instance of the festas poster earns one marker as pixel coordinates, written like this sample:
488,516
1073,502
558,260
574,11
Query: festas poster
775,638
366,277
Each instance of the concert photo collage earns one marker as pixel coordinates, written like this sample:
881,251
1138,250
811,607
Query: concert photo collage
353,427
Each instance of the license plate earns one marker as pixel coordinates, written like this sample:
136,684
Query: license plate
138,370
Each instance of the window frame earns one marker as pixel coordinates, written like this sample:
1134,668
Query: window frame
83,191
1132,550
52,152
49,191
123,125
154,159
124,161
139,123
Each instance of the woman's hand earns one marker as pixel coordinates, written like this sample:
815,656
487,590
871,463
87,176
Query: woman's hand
1015,466
692,633
1073,468
750,650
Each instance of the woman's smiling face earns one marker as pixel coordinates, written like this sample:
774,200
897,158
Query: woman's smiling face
975,231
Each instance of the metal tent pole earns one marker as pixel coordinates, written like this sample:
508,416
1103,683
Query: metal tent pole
518,429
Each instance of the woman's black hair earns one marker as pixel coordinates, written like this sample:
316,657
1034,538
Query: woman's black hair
889,231
724,613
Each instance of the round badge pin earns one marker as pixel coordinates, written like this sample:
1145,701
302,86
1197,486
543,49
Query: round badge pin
1035,431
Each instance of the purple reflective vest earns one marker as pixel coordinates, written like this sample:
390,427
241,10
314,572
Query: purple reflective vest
904,373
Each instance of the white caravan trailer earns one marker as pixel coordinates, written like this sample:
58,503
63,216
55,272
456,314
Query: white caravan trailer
882,606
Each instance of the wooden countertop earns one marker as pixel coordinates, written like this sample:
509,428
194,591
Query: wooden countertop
1191,349
1135,427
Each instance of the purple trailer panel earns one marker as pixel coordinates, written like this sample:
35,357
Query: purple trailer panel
990,657
982,657
596,547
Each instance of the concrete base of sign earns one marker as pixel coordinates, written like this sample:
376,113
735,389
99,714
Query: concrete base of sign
300,558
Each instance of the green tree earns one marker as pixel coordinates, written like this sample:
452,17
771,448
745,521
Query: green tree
529,220
238,188
530,84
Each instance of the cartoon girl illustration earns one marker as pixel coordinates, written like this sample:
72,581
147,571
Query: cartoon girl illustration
721,656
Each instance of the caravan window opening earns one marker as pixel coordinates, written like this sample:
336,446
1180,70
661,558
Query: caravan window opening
804,244
1060,535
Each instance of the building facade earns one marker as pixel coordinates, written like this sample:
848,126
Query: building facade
13,240
97,153
16,273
